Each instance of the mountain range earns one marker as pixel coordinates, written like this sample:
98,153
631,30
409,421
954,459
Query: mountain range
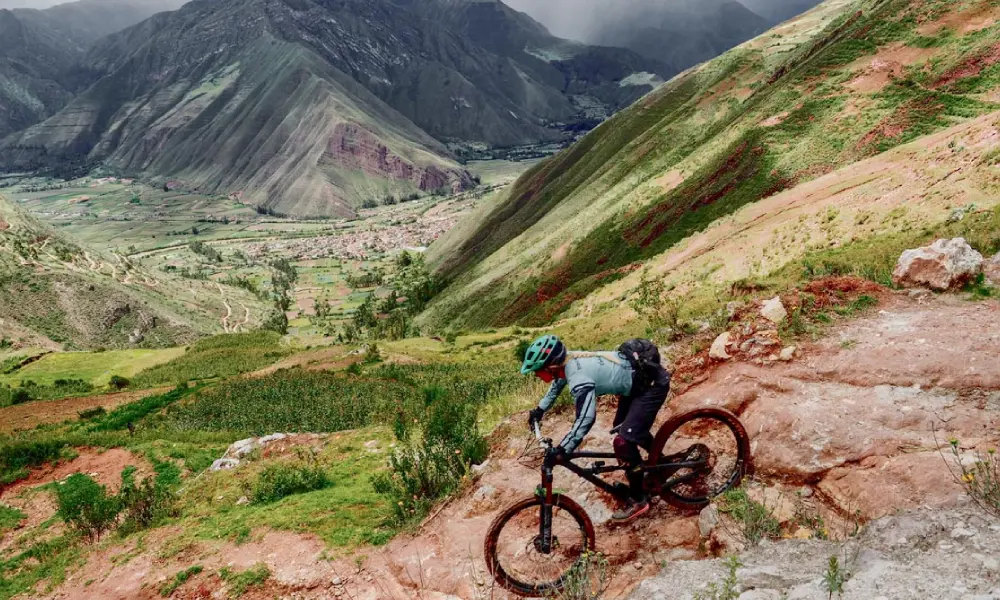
40,51
312,107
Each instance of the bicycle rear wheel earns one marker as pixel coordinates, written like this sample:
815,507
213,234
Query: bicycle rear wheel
713,436
512,555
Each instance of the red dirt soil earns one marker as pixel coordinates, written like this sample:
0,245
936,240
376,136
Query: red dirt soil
970,67
32,414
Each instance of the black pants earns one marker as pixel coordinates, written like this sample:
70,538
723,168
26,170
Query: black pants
635,416
637,412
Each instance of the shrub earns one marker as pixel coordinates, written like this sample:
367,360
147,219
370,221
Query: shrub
15,458
86,506
728,588
421,473
981,479
520,350
20,396
90,413
280,480
754,520
118,382
372,354
142,504
587,579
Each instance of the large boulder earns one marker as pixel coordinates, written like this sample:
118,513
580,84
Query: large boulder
941,266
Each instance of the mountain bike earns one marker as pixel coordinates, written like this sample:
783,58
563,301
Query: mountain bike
532,547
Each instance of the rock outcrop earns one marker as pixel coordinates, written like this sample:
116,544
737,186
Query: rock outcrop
926,554
943,265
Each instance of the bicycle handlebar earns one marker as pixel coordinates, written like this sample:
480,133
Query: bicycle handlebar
545,443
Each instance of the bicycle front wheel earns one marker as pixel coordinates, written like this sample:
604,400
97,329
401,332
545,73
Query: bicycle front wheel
713,437
512,546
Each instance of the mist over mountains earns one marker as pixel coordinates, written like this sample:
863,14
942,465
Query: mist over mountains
679,33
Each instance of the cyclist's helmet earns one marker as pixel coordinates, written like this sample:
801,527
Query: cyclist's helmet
546,350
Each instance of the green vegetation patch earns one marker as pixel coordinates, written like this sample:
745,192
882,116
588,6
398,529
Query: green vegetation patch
179,579
10,518
95,368
241,581
219,356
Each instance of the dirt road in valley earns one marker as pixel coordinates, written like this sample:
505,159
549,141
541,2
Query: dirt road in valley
850,424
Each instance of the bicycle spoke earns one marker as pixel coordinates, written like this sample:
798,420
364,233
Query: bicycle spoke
706,440
519,556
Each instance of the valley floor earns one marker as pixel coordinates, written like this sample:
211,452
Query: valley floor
849,432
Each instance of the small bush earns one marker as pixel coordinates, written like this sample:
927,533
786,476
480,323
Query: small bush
239,583
834,578
372,355
90,413
142,504
981,479
20,396
10,517
86,506
754,521
118,383
588,579
280,480
421,473
179,579
728,588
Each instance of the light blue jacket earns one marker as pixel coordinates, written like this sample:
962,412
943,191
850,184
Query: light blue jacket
589,375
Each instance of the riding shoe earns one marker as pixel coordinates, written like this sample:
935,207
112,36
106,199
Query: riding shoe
632,511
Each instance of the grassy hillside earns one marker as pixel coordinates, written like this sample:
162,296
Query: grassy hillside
845,82
59,295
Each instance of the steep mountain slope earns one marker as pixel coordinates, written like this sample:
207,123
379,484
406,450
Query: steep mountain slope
842,83
57,294
33,80
40,49
311,107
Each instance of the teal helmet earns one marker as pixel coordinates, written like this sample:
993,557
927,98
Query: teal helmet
544,351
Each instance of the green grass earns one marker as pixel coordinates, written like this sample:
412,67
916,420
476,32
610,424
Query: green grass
10,518
179,579
346,514
241,581
219,356
47,561
93,367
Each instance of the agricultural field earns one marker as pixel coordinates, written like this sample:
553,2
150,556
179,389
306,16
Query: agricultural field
95,368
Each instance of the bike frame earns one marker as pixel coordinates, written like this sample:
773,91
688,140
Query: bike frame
591,473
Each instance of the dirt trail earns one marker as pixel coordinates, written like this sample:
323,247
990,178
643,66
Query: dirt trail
229,311
852,420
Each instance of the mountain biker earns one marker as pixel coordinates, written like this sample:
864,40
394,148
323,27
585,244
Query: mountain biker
641,388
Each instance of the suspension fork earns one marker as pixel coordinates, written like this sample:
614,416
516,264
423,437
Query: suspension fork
544,541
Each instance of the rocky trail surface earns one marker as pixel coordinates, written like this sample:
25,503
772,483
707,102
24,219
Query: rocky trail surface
847,431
